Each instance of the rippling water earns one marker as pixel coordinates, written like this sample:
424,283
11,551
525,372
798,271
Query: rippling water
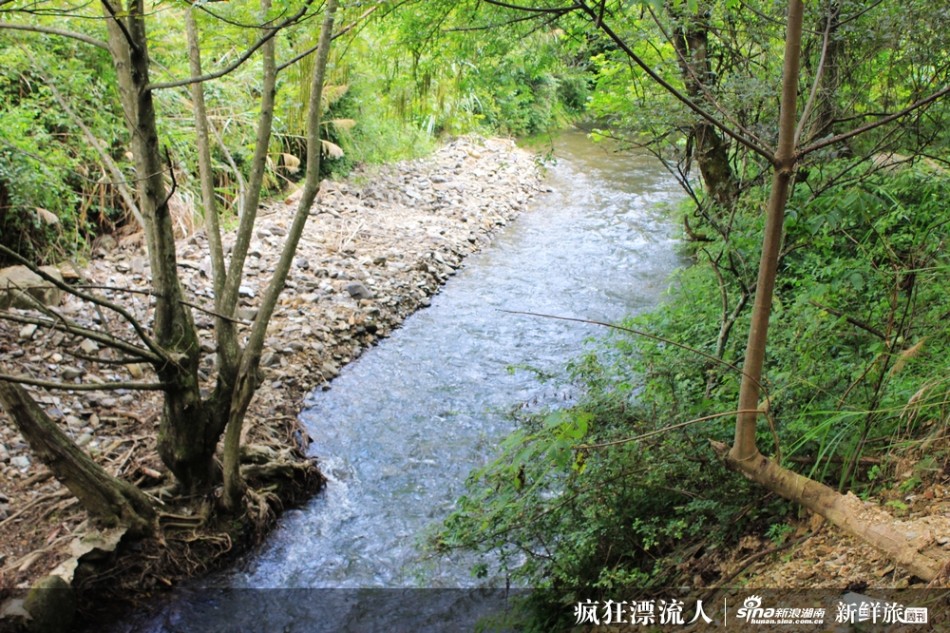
402,427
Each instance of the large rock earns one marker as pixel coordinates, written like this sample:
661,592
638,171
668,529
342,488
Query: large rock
19,283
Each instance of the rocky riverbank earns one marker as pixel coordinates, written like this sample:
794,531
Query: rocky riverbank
376,247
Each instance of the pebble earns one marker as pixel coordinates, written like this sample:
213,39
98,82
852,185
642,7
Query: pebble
70,373
89,347
359,291
20,461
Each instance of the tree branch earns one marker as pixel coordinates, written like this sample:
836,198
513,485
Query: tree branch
271,32
343,31
105,386
122,26
679,96
156,350
833,140
53,31
61,324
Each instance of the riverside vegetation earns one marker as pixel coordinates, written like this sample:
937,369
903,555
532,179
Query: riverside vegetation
812,142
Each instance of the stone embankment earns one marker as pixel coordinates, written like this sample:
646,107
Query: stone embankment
376,247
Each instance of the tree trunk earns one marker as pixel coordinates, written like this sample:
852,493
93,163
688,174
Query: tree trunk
826,107
710,150
109,500
872,525
188,431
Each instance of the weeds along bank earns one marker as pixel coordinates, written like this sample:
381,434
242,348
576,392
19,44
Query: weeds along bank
621,495
382,242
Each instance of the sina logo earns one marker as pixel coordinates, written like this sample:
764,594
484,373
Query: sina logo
752,610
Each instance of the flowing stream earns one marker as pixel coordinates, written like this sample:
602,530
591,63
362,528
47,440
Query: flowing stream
401,428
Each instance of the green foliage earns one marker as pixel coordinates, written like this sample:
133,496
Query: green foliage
615,495
44,159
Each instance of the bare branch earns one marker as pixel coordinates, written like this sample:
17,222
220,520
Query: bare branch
655,432
679,96
688,68
156,350
343,31
104,386
118,180
640,333
122,26
806,111
834,140
870,329
61,324
53,31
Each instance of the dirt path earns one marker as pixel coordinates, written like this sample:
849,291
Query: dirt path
375,248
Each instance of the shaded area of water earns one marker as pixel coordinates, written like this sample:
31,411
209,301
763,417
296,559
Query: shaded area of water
402,427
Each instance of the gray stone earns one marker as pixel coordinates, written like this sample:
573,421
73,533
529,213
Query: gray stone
270,358
20,461
359,291
246,291
20,286
27,331
70,373
89,346
246,314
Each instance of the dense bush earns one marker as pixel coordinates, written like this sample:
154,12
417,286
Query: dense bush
618,494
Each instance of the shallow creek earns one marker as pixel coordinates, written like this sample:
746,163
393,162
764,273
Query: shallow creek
400,429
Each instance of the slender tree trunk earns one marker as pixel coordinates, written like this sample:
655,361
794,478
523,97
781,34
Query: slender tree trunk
826,107
744,446
205,169
247,380
108,500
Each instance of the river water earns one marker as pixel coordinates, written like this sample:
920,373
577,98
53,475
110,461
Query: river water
400,428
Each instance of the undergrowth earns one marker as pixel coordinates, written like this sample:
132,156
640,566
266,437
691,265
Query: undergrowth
621,494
